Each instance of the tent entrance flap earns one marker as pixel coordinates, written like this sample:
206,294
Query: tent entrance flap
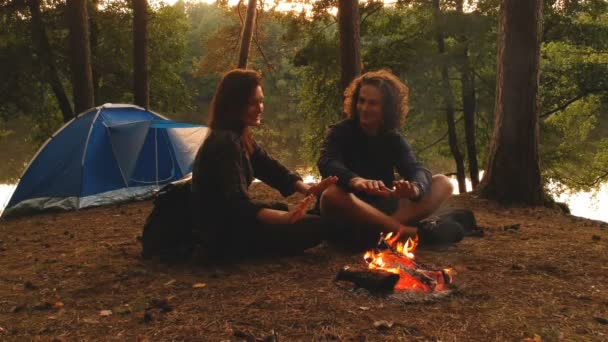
127,141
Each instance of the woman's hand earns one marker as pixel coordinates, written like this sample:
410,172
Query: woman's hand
295,214
325,183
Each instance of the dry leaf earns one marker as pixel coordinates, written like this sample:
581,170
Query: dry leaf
105,313
199,285
364,308
536,338
58,305
383,324
90,321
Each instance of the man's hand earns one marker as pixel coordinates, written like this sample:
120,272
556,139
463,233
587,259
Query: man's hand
403,234
405,189
371,187
325,183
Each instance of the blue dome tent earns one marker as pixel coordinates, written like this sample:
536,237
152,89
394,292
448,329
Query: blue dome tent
108,154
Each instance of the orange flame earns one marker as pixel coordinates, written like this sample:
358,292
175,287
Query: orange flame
399,259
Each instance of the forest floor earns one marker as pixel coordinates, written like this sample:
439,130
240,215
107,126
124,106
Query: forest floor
537,274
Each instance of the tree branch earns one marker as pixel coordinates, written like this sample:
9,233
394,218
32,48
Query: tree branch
438,140
569,102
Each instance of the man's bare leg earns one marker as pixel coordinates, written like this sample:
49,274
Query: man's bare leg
340,206
409,211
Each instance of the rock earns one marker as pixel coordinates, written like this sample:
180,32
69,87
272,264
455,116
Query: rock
601,320
16,308
147,317
515,226
518,267
43,306
161,304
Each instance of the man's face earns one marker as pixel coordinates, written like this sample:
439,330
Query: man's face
255,108
369,108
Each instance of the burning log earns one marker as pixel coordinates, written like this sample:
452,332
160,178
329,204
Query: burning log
371,280
391,266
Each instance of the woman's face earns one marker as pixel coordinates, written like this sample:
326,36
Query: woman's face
255,108
369,108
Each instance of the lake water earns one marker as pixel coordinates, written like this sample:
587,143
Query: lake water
6,190
584,204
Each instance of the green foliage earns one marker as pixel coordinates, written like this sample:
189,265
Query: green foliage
318,92
567,146
193,43
574,96
113,60
168,27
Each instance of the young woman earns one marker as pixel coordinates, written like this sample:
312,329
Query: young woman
228,220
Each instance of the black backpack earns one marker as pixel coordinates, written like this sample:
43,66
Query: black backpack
168,233
447,226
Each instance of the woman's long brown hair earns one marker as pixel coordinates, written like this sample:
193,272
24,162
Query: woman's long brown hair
229,104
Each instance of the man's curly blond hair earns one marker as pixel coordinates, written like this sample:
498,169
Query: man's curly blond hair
395,102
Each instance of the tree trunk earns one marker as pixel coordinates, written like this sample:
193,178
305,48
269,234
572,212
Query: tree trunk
512,169
47,60
247,34
350,41
94,42
449,103
141,85
468,104
80,55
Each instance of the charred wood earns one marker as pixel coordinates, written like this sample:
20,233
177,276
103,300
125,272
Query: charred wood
371,280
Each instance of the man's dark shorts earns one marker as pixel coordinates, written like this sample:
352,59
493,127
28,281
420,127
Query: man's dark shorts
387,205
362,237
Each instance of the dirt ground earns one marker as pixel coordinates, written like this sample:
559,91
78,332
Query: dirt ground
537,274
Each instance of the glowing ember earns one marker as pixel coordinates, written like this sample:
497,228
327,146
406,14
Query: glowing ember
397,257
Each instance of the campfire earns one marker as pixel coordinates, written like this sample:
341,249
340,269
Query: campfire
391,267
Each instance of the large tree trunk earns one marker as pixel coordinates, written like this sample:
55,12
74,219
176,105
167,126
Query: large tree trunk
47,60
80,55
512,170
467,79
468,104
448,97
350,41
94,42
247,34
141,85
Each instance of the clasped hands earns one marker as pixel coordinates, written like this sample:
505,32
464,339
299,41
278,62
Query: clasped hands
403,188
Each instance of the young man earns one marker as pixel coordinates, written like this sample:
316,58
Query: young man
364,151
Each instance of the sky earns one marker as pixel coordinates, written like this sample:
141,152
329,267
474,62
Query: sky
282,6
